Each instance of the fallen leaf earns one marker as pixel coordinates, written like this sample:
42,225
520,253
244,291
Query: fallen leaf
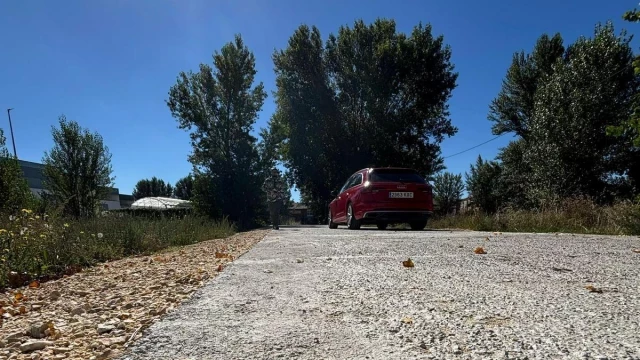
220,267
52,329
220,255
34,284
479,250
486,239
22,309
408,263
18,296
407,320
593,289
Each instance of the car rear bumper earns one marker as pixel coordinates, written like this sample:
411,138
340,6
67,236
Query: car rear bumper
391,216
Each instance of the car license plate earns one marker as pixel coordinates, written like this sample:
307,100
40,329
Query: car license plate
400,195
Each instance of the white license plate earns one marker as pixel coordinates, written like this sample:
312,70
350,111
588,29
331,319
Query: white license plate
400,195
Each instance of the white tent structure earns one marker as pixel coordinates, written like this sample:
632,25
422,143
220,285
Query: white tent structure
161,203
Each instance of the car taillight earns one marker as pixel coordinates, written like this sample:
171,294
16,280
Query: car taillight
369,188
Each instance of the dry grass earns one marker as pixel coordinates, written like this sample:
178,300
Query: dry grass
570,216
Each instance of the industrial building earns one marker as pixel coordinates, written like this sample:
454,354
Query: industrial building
33,172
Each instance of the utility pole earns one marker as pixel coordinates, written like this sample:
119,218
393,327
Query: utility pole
12,138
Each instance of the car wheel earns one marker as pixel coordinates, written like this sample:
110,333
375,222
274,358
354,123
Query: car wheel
352,222
418,225
332,225
382,226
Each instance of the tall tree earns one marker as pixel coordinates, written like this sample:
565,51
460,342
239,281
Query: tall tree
78,169
369,97
447,191
219,107
483,185
631,127
570,152
184,188
515,181
14,191
512,109
152,187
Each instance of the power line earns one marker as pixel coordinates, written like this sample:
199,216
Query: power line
471,148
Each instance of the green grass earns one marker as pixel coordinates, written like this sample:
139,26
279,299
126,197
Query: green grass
42,247
570,216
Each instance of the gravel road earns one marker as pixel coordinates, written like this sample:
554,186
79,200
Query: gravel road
312,293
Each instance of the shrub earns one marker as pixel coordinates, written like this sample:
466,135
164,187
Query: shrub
35,246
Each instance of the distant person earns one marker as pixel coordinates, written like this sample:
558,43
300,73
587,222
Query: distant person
276,190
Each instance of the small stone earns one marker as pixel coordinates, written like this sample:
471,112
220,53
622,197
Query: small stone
54,295
13,311
36,307
299,261
61,350
36,331
34,345
267,271
14,335
77,311
105,328
105,354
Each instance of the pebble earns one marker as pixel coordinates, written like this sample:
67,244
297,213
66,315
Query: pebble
33,345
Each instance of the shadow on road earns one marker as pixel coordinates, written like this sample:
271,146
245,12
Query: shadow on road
363,228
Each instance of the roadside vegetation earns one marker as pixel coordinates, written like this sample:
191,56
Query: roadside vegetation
569,216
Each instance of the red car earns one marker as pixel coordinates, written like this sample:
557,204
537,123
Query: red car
382,196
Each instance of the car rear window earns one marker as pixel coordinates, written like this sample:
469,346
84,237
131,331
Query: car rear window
405,176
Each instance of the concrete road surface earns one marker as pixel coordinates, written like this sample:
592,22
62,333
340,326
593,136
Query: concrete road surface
315,293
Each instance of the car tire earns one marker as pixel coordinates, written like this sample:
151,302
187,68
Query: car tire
382,226
332,225
352,222
418,225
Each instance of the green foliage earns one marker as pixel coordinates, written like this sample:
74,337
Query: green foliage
483,185
515,177
184,188
632,126
152,187
77,169
632,15
570,152
38,246
370,96
219,107
447,191
564,105
513,108
14,190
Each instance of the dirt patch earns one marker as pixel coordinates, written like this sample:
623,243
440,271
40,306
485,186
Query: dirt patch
97,313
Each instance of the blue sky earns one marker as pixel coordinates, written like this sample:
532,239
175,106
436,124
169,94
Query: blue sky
108,64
